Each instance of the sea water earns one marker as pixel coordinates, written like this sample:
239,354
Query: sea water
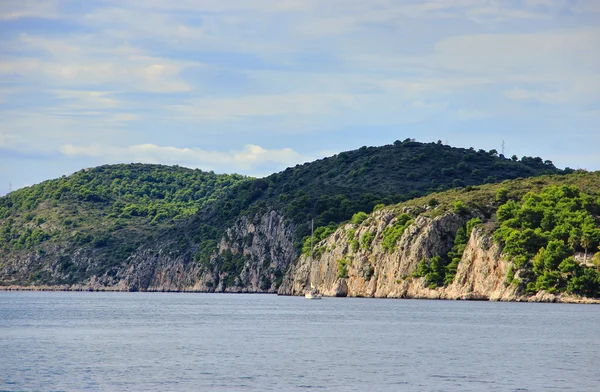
227,342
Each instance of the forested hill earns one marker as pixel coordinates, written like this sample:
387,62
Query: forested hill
85,224
534,239
331,190
155,191
108,210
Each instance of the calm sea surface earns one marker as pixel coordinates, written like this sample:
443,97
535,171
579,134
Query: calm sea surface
219,342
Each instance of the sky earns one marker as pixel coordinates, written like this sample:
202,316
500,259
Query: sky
253,87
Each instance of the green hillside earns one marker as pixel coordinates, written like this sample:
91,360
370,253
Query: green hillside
549,228
102,215
108,211
331,190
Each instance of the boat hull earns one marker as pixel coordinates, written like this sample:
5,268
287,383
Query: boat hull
312,296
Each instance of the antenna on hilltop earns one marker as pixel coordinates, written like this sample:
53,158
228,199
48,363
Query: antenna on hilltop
502,147
9,187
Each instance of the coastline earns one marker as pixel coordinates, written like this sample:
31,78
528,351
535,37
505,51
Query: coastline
540,297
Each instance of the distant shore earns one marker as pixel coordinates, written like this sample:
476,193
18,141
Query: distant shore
541,297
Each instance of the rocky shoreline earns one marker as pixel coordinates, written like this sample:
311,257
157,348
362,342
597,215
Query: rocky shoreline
340,268
481,274
541,297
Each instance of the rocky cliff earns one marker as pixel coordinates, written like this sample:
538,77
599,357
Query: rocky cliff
340,268
262,259
264,248
152,270
439,247
371,271
252,257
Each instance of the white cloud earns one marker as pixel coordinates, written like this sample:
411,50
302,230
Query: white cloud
86,61
276,26
148,75
550,97
507,54
16,9
290,105
429,85
44,130
54,47
83,99
122,117
546,67
250,158
261,68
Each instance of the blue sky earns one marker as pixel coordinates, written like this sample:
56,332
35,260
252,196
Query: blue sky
256,86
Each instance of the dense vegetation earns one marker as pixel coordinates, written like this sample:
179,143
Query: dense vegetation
542,232
332,190
548,226
108,212
154,191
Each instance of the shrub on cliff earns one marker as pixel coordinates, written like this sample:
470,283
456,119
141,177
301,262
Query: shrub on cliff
366,240
392,233
342,267
359,217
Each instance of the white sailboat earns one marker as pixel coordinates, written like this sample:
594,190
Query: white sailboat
313,293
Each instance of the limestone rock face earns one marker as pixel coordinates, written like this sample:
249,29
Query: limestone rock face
481,273
263,243
266,244
350,262
372,271
148,271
